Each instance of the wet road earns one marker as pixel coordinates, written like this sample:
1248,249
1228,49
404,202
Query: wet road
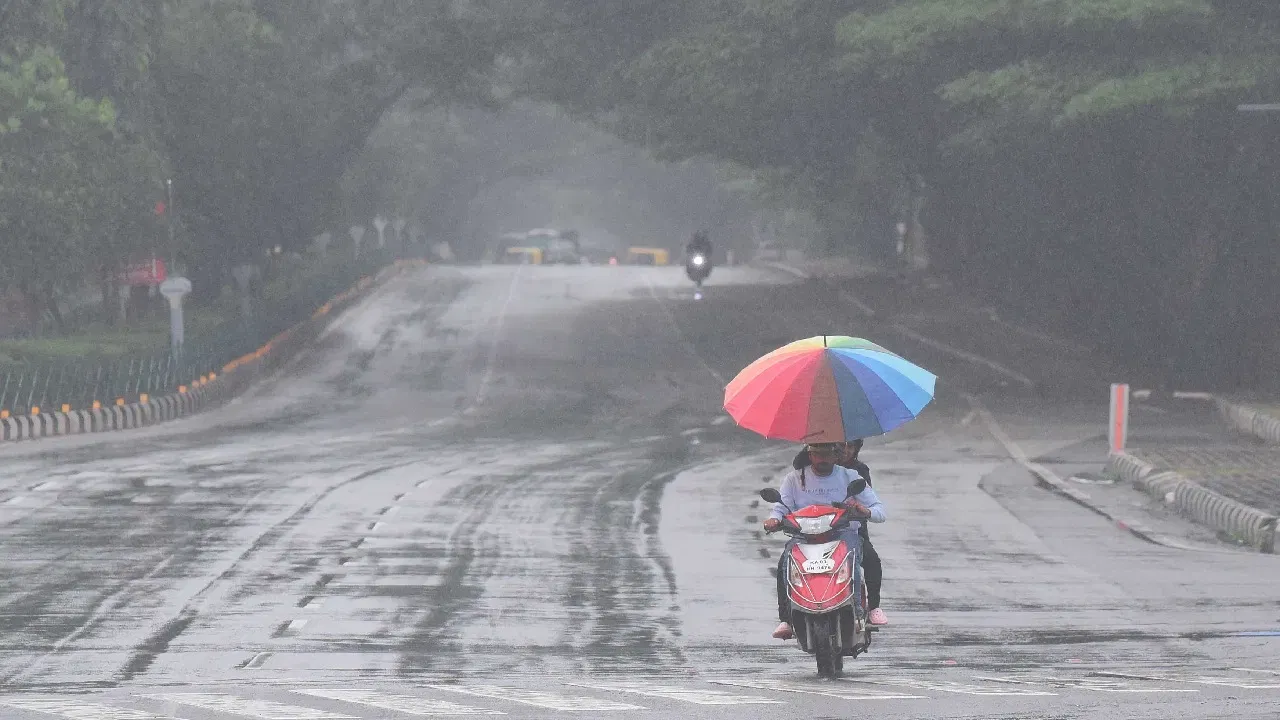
511,491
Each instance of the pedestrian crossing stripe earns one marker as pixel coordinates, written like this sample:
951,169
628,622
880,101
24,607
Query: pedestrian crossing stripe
262,709
538,698
406,704
355,703
78,710
692,695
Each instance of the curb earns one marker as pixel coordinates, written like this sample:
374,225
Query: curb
1201,504
1249,420
205,392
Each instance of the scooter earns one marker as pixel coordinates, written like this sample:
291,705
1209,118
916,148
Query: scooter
824,582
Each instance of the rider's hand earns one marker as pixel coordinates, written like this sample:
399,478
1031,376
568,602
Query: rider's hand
772,524
859,509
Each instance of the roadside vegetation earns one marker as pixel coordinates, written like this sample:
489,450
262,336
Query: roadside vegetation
1082,162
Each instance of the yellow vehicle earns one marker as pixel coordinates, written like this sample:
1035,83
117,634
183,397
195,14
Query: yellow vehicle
647,256
523,255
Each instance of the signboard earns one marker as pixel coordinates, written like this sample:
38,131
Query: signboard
151,272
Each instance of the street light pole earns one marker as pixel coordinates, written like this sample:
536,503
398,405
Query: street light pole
173,249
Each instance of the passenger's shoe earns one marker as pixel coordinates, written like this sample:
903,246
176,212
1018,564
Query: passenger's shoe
783,632
877,617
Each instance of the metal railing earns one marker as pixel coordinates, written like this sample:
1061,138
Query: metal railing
83,384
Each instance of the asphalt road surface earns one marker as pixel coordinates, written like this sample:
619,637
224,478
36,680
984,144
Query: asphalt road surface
512,491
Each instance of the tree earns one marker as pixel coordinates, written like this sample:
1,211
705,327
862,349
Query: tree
50,138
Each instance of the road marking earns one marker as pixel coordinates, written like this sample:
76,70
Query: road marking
374,526
257,661
296,624
684,340
263,709
314,602
1088,683
977,359
15,500
692,695
536,698
495,336
79,710
406,704
850,693
1202,680
949,686
1251,670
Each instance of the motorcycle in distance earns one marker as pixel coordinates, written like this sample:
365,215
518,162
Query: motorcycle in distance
828,614
698,267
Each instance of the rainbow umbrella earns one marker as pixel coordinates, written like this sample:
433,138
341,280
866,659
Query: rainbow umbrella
828,388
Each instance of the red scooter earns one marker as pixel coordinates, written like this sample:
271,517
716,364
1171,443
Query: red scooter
822,574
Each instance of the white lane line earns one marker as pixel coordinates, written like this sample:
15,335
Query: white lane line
263,709
948,686
850,693
392,510
1094,684
296,624
374,527
75,710
1202,680
691,695
495,337
314,602
551,701
688,346
257,661
15,500
406,704
963,355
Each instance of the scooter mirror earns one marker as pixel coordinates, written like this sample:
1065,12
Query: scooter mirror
771,495
856,487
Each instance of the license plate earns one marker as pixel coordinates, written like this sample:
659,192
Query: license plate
820,565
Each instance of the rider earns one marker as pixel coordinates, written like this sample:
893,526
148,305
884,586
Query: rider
820,483
700,242
872,570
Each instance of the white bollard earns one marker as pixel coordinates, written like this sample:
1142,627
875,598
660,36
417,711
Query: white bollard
1118,427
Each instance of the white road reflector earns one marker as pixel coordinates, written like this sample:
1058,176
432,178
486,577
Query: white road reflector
948,686
406,704
262,709
1096,684
691,695
76,710
829,690
537,698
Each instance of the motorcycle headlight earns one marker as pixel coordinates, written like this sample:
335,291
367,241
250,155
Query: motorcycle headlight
815,526
699,260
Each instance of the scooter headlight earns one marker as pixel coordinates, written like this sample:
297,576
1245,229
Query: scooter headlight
794,575
815,525
699,260
842,575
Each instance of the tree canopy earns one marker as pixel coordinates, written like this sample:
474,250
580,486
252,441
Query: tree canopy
1080,158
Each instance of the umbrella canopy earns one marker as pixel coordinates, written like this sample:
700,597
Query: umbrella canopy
828,388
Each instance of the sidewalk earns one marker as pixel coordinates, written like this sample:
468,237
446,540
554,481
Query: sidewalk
1184,454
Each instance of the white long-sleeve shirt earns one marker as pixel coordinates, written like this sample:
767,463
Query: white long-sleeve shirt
820,490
